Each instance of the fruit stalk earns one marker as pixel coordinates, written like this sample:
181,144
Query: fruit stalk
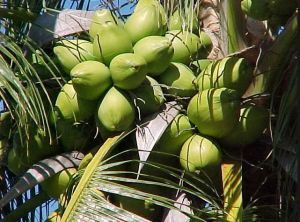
233,27
103,151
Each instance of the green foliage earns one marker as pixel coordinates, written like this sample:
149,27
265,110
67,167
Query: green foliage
31,79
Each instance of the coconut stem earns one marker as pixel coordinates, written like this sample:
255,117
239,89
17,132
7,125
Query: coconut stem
232,186
233,27
103,151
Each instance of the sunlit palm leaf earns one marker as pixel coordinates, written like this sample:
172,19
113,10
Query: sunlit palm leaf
148,134
111,181
57,24
22,89
79,192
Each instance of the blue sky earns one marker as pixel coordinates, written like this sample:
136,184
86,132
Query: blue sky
94,4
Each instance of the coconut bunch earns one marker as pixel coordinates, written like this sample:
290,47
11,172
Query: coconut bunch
125,72
276,12
218,109
118,74
216,119
129,69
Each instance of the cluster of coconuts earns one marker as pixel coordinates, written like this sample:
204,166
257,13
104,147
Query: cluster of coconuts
116,77
276,12
128,70
218,116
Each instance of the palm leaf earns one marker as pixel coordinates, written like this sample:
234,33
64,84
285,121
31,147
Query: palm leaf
88,173
26,207
182,203
233,27
40,172
56,24
232,186
110,181
284,132
98,176
148,134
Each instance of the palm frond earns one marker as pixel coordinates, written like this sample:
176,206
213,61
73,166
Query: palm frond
147,135
112,181
40,172
27,207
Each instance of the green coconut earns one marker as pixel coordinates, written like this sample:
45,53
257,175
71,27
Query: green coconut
176,22
5,124
33,147
128,70
175,135
3,149
91,79
116,112
205,46
257,9
145,3
111,41
198,65
28,149
200,153
186,45
100,17
71,52
142,3
252,122
214,111
56,185
147,21
231,72
73,136
179,78
15,164
148,96
157,51
103,131
72,108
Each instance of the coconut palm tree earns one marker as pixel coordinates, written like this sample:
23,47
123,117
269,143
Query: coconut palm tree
107,186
